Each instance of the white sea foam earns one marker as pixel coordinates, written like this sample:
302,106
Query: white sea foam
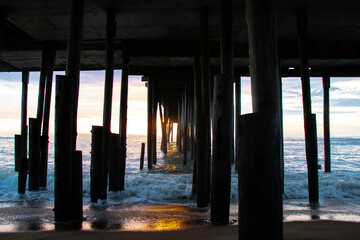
176,182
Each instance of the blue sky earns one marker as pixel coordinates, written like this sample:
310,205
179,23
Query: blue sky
344,103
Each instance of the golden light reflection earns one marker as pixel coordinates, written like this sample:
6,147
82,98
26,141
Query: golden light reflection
159,218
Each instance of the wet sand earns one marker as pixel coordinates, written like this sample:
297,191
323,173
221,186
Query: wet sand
292,230
35,220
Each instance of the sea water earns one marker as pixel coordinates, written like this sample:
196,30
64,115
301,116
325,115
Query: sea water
170,182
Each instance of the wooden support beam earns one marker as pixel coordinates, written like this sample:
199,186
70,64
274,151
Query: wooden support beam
223,122
77,188
260,203
163,131
310,130
34,154
259,165
124,106
116,168
154,122
142,153
17,151
205,142
326,116
237,119
312,159
96,171
108,93
185,126
63,148
149,123
222,149
42,82
51,55
23,165
73,57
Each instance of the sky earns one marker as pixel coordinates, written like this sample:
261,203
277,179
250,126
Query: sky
344,103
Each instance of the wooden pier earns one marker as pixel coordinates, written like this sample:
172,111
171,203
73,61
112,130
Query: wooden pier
190,55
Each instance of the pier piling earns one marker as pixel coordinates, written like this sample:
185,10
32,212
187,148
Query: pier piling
17,151
260,197
77,187
116,167
123,110
34,154
326,106
44,149
222,148
96,171
23,165
260,203
108,93
63,148
142,156
310,131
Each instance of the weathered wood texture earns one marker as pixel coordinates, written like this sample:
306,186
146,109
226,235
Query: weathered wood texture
312,158
73,57
149,123
222,148
77,187
326,116
205,141
96,163
237,119
51,55
34,154
123,110
17,151
260,199
63,148
116,166
142,153
309,127
23,165
108,93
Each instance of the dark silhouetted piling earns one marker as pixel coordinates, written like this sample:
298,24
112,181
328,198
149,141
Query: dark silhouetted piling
63,148
34,154
163,146
260,198
260,203
312,159
142,156
149,123
73,57
222,148
23,165
154,123
310,132
237,119
77,187
204,138
44,149
17,151
200,165
108,93
123,111
223,122
95,167
116,167
326,116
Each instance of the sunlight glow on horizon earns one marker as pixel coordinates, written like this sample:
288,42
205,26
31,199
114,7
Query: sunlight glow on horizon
344,104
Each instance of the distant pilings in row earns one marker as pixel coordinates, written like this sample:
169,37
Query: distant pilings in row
115,170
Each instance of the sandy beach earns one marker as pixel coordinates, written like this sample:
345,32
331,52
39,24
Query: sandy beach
292,230
151,221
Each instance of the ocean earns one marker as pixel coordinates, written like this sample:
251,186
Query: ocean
170,183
